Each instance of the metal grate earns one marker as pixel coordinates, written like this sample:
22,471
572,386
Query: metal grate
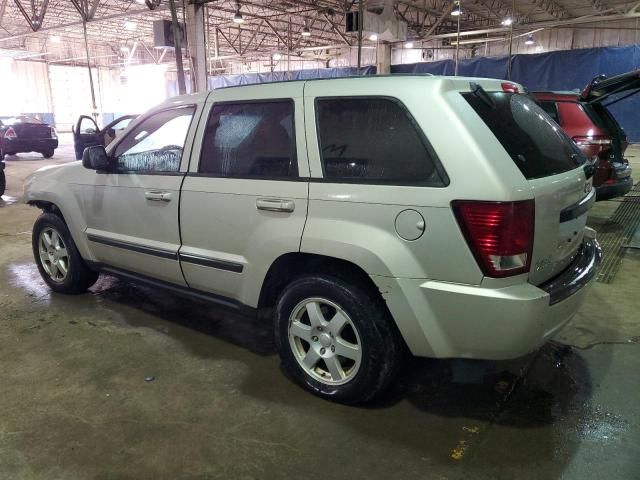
617,232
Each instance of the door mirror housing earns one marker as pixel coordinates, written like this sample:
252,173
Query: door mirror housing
95,158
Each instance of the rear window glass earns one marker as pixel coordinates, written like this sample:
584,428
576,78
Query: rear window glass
537,145
373,140
551,109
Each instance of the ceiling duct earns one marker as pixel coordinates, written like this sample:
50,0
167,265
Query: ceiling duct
379,19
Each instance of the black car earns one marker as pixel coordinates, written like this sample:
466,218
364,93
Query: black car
21,134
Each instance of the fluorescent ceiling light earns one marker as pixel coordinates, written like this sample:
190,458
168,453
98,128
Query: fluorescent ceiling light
373,37
277,56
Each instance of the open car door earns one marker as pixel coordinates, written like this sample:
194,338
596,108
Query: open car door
115,128
85,134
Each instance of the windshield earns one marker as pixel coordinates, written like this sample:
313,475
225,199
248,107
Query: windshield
537,144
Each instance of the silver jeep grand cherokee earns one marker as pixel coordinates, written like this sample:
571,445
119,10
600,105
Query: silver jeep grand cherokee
365,216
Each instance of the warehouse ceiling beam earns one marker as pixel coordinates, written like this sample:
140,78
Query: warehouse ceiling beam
79,23
335,28
35,18
545,24
3,8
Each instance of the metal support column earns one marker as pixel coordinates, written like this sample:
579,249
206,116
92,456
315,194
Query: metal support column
197,44
94,111
383,58
178,48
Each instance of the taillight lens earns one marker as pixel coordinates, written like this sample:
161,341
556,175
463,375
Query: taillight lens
500,234
592,146
10,133
509,87
54,134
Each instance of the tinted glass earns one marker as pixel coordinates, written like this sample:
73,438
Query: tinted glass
373,140
250,140
551,109
537,145
156,144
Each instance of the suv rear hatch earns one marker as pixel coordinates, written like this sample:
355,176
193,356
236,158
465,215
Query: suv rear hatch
555,168
601,93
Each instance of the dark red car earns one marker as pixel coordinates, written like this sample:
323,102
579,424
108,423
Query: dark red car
586,119
21,134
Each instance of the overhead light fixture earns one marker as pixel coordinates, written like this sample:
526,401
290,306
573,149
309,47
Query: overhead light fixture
305,30
457,11
129,25
54,39
373,37
276,56
238,18
529,40
141,2
408,45
507,21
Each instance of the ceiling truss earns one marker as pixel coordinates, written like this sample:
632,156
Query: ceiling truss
120,31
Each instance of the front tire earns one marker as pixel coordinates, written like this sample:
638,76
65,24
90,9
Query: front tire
336,339
47,154
57,256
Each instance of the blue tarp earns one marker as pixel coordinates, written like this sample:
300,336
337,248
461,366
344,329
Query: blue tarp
561,70
251,78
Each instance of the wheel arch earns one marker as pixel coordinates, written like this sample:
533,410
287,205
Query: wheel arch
289,266
49,206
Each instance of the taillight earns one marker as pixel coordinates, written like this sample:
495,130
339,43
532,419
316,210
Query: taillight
10,133
54,134
509,87
592,146
499,234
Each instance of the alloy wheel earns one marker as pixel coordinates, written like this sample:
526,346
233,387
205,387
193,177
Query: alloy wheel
325,341
53,254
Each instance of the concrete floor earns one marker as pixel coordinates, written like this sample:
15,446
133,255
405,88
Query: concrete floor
74,403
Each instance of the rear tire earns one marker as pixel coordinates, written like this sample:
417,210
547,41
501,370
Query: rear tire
47,154
3,182
57,256
336,339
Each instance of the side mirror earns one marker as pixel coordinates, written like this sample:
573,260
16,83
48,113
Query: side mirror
95,158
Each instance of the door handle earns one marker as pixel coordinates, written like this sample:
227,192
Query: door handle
156,196
275,204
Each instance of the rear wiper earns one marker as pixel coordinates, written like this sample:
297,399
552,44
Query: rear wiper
482,94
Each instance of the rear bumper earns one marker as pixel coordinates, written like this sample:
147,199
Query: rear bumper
447,320
622,184
22,145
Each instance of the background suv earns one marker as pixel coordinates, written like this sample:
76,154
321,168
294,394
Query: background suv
341,211
586,119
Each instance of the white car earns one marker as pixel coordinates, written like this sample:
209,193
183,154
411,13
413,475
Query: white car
362,216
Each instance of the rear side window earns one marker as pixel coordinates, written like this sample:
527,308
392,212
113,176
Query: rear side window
246,140
537,145
373,140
